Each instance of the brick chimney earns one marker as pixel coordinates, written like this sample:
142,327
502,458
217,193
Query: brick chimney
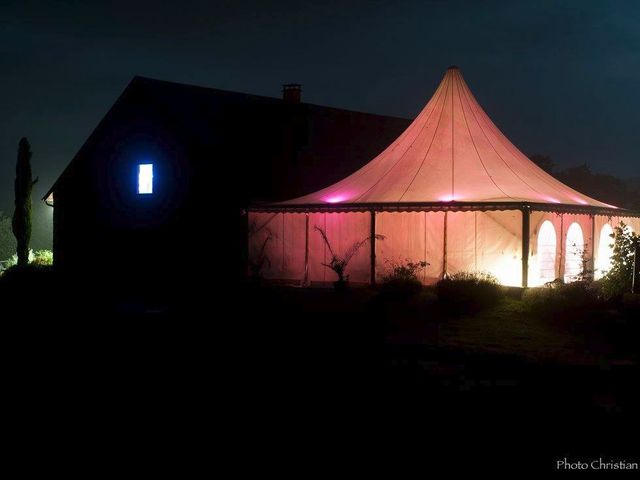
291,93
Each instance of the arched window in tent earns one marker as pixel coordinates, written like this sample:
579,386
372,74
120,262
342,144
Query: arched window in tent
574,253
546,252
605,251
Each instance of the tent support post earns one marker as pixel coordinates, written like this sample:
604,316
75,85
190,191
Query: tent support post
635,281
305,280
373,248
561,262
591,265
526,221
444,246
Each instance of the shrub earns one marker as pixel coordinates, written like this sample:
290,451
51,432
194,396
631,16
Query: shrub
402,278
618,280
39,257
42,257
403,271
557,297
468,292
339,263
12,261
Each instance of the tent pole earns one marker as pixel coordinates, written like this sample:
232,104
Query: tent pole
444,247
591,265
526,221
561,262
305,280
635,281
373,248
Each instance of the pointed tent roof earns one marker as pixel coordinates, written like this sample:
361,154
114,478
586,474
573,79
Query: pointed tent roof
452,152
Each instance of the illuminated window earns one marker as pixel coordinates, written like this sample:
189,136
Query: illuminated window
574,253
605,251
547,252
145,178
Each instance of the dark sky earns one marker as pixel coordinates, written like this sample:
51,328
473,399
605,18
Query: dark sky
559,78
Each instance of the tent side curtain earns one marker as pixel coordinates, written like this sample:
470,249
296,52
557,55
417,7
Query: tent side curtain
476,241
343,231
410,237
277,245
479,242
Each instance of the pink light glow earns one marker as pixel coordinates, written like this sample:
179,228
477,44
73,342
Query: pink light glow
336,199
447,198
579,200
551,199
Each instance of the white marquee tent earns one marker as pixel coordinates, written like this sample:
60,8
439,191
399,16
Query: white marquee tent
451,190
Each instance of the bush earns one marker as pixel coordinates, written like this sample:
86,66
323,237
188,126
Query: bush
618,280
12,261
558,297
468,292
42,257
39,257
402,279
339,262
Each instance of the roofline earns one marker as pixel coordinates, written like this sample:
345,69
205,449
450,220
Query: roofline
263,97
138,78
443,206
82,148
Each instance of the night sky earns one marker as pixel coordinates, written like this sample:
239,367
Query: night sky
559,78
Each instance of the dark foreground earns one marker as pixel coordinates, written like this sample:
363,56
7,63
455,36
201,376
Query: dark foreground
302,381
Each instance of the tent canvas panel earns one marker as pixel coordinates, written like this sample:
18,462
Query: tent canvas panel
410,236
343,231
461,251
499,245
279,239
404,240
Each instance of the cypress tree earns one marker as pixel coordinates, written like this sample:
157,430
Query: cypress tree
21,222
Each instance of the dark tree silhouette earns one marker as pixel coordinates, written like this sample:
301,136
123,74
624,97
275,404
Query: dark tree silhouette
544,162
607,188
21,222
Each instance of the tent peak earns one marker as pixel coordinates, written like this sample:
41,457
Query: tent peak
453,67
452,151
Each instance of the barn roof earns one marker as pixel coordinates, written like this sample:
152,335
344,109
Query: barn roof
329,142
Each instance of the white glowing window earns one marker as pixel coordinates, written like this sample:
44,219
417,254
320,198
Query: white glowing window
547,252
575,249
145,178
605,251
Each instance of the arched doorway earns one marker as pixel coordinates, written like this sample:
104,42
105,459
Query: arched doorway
605,251
546,252
574,253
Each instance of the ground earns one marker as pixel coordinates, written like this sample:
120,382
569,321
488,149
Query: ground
509,386
285,375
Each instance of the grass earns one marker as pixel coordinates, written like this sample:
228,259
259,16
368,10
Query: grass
510,326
